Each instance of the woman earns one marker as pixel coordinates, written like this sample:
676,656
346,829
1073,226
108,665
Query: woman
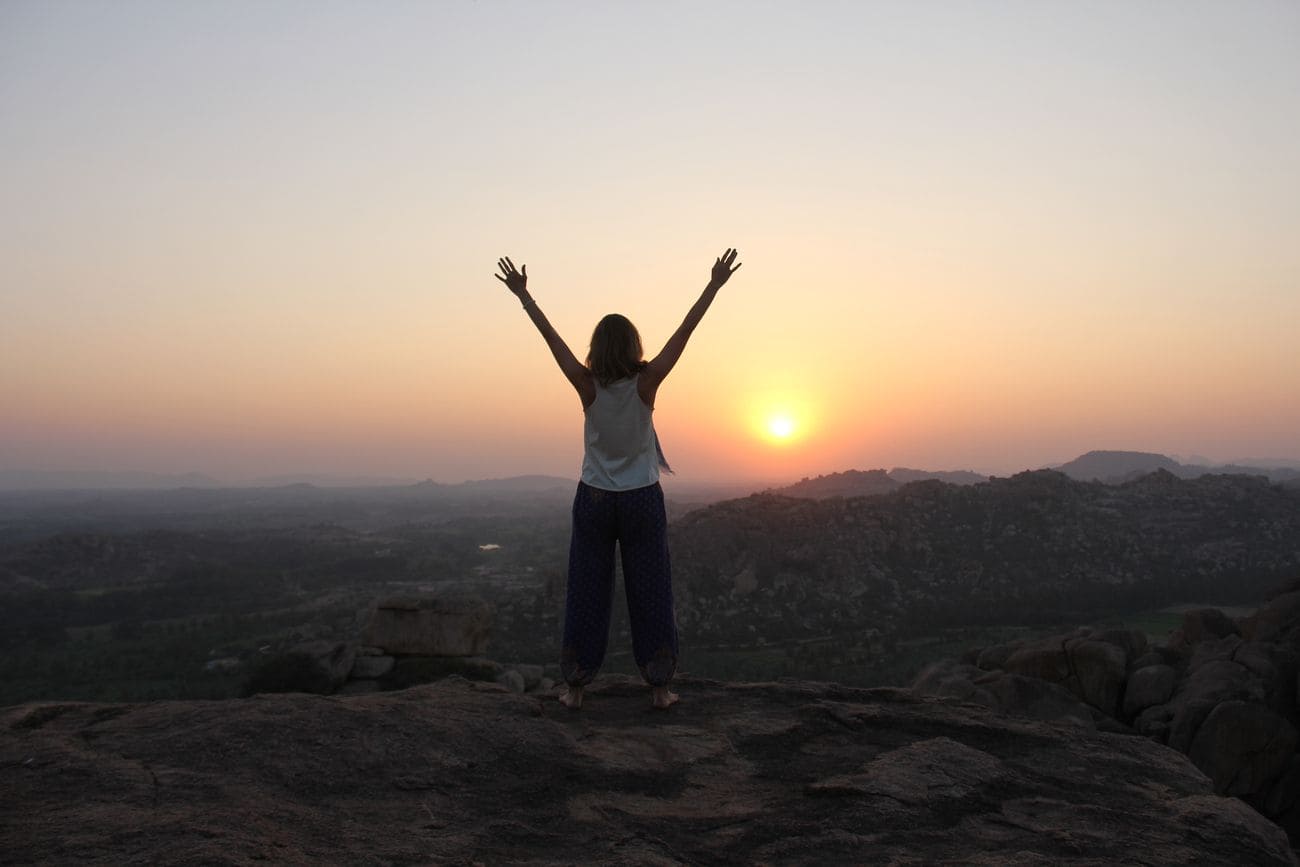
619,499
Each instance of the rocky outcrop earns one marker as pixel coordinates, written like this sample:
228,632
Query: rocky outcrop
410,640
1080,676
1220,691
430,625
459,772
311,666
333,659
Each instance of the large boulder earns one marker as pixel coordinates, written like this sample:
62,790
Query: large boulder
371,667
1282,804
1243,747
1275,667
432,625
1154,722
532,675
1213,650
955,680
1202,623
1044,659
996,656
1206,687
1276,620
312,666
1099,668
1133,642
334,657
511,680
1032,698
1148,687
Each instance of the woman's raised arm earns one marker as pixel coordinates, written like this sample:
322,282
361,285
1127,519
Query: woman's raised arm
662,364
573,369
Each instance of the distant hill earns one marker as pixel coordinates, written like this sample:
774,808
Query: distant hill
1264,463
1117,467
327,480
850,483
866,483
533,484
952,477
1286,475
25,480
29,480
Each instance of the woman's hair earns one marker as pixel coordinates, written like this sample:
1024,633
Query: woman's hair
615,351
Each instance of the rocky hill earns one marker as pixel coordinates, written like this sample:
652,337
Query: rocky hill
456,772
867,483
850,483
1027,548
1117,467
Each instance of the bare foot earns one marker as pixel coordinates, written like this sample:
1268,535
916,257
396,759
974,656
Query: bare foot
662,697
572,697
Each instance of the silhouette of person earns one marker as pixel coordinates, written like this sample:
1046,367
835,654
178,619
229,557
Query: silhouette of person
619,500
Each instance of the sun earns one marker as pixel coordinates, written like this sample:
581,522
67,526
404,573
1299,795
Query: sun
780,421
781,427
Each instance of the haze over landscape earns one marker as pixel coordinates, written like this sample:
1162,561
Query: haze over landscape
257,241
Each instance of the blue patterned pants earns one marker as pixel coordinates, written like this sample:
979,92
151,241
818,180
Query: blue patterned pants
636,521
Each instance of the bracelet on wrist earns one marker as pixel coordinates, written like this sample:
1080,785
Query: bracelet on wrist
529,303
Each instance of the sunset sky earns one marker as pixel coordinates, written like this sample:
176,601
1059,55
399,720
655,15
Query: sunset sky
258,238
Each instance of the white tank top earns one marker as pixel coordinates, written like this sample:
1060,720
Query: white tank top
622,449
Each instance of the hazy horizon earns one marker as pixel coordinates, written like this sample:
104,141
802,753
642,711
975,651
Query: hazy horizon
358,479
258,240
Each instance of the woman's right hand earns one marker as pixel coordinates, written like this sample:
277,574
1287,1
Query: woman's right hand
516,281
722,269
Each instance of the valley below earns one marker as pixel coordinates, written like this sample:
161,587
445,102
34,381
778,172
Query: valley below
138,595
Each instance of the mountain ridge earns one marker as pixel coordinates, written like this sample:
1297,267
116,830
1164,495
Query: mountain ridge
1116,467
1111,466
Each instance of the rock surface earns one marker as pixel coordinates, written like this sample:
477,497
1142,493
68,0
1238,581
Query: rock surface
457,772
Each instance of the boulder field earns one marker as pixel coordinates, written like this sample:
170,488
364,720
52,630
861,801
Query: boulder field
464,772
1219,690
